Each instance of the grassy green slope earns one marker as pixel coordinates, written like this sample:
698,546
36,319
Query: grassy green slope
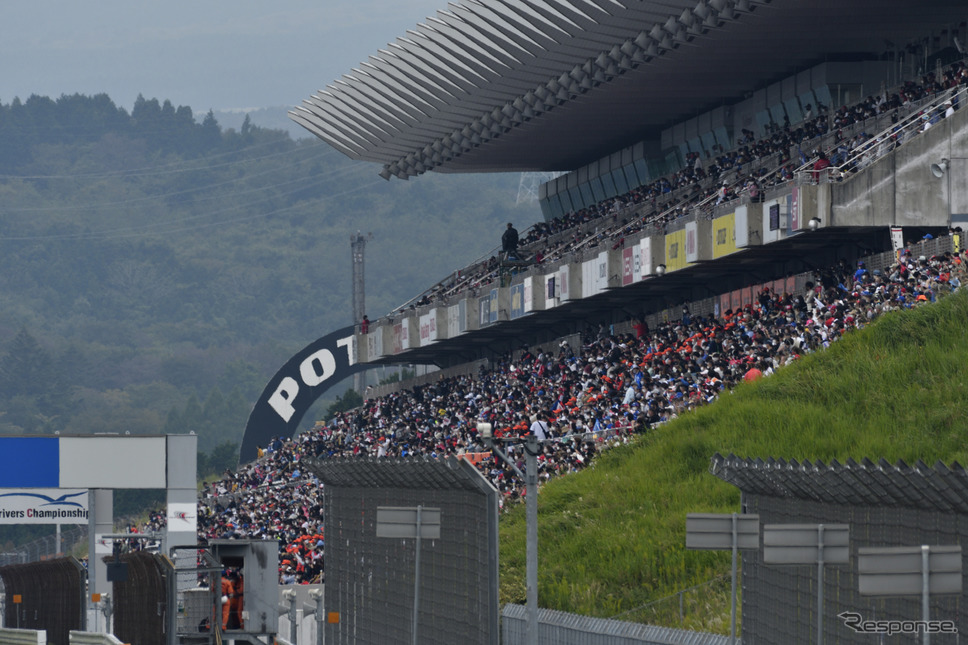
612,538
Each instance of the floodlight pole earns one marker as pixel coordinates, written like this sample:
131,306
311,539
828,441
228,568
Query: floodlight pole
531,512
819,584
926,590
530,477
416,577
732,617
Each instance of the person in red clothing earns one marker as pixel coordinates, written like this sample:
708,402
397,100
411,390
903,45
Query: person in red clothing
365,325
818,165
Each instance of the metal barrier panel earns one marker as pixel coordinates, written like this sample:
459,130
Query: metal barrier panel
780,602
141,601
51,597
196,589
562,628
370,580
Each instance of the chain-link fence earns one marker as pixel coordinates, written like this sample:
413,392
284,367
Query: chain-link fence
141,599
49,546
46,595
372,582
701,608
780,602
197,592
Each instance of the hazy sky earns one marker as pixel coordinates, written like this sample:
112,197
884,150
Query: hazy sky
207,54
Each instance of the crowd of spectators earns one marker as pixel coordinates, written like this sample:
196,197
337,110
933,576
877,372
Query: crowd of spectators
749,168
584,399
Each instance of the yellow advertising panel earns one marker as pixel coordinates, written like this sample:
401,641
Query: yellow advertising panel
724,235
675,251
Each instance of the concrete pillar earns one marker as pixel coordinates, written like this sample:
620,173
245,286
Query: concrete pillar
182,494
100,522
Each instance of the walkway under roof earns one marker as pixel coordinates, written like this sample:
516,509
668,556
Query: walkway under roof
551,85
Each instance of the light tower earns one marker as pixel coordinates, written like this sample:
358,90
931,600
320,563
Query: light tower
357,248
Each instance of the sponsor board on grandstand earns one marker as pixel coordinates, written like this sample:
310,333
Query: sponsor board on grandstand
484,302
43,506
551,290
564,283
724,235
692,243
428,328
454,319
517,300
741,227
603,273
675,251
401,336
374,344
645,257
589,278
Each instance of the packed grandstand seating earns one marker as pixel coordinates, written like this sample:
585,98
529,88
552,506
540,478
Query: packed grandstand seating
615,385
612,387
750,168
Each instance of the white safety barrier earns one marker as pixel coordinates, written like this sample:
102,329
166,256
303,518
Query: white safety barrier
23,637
92,638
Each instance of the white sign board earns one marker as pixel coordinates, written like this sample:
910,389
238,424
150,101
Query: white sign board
43,506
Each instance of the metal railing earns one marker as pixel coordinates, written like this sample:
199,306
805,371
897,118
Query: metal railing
919,118
563,628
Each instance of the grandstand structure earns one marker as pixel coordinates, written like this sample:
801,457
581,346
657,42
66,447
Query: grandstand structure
709,149
621,96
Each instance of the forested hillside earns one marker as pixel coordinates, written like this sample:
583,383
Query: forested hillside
155,270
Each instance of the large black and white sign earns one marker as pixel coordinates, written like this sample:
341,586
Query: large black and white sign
295,387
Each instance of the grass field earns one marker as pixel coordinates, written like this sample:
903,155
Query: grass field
612,538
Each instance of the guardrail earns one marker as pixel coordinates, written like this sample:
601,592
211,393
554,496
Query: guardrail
23,637
91,638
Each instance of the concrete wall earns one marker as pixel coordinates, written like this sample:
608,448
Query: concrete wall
900,190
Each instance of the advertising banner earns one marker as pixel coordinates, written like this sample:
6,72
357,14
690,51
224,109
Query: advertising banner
741,227
374,344
551,290
428,328
297,385
628,269
692,242
517,300
675,250
43,506
563,283
484,302
645,256
453,321
601,277
724,235
589,278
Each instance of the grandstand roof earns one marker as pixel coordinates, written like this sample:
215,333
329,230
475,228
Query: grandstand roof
543,85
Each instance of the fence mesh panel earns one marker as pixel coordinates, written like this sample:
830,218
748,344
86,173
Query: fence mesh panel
370,580
51,595
780,603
